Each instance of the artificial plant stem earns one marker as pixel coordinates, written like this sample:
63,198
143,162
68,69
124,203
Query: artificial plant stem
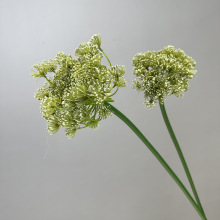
179,151
48,80
105,55
156,154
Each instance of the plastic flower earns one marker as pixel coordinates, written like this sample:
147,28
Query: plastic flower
73,97
162,73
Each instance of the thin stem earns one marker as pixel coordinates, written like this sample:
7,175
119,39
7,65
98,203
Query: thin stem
105,55
179,151
156,154
114,92
48,80
110,65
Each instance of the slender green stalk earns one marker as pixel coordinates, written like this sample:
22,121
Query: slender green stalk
48,80
179,151
110,65
156,154
114,92
105,55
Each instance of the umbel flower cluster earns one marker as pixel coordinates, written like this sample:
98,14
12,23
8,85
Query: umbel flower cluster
162,73
73,96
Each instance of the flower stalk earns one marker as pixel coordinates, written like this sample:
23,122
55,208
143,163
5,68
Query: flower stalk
157,155
179,151
105,55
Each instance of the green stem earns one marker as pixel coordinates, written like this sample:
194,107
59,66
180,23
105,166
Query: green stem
49,81
105,55
114,92
156,154
179,151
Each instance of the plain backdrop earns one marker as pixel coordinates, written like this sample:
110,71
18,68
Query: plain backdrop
108,173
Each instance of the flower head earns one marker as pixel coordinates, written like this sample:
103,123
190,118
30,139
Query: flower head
162,73
73,97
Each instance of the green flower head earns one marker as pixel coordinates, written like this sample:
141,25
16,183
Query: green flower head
73,96
162,73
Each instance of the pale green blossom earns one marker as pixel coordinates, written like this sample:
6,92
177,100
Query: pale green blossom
73,97
162,73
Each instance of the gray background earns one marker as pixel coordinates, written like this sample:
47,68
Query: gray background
108,173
